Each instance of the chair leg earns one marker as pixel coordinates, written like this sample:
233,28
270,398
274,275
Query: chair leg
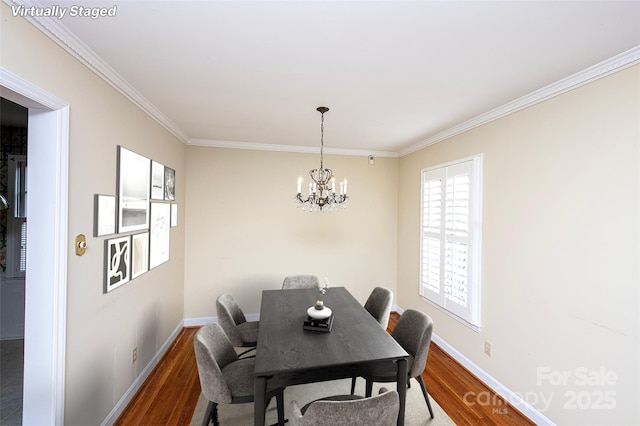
353,385
280,406
424,392
368,388
211,414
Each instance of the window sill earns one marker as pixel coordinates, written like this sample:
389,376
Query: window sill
450,314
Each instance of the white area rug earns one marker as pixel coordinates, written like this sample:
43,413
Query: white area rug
416,412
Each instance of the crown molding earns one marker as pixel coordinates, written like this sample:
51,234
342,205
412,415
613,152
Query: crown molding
78,49
288,148
617,63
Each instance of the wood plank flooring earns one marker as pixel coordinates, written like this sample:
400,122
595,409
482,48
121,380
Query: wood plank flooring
170,394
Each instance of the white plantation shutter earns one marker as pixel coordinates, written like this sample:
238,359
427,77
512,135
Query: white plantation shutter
17,217
450,244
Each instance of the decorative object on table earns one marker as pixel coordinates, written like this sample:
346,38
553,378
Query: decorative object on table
134,173
322,190
117,263
324,324
322,288
104,215
319,313
320,317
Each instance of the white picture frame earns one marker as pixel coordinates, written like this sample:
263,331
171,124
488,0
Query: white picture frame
169,184
117,263
174,215
133,191
159,234
139,254
157,181
104,215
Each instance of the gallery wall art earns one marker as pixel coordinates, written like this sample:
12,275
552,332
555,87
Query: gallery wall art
117,262
139,254
105,215
133,194
157,181
141,228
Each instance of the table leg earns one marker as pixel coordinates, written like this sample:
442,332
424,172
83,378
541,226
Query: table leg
260,400
402,388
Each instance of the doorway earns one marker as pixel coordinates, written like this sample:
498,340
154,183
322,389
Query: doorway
46,253
14,121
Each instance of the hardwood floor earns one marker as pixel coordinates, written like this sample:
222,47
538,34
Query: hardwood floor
170,394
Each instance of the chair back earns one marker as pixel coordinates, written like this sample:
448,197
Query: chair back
413,332
379,410
230,316
379,305
300,281
213,352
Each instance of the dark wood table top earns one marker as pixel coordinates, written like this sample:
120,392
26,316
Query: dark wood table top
284,347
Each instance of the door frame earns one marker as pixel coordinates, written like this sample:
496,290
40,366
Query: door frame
47,249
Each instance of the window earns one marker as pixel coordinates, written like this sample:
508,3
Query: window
450,245
17,217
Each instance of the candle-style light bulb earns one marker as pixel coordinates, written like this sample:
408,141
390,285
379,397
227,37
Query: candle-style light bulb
299,190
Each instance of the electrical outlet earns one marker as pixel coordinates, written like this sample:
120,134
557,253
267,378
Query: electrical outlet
487,348
134,355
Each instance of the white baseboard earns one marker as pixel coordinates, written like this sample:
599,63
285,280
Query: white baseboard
137,383
194,322
511,397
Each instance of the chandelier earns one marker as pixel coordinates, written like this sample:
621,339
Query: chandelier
322,188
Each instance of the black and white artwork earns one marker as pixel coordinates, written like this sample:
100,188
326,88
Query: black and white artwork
139,254
157,181
117,264
133,182
105,215
159,233
169,184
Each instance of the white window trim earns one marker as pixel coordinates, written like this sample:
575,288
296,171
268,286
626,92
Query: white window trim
474,276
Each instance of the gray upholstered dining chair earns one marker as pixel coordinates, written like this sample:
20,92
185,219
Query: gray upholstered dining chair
413,332
300,281
347,410
225,378
241,333
378,304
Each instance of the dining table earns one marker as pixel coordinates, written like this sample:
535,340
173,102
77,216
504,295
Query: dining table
288,354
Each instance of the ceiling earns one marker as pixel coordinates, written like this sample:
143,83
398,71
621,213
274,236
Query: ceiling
394,74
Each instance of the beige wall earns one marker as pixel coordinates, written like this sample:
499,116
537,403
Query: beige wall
245,234
560,247
102,328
